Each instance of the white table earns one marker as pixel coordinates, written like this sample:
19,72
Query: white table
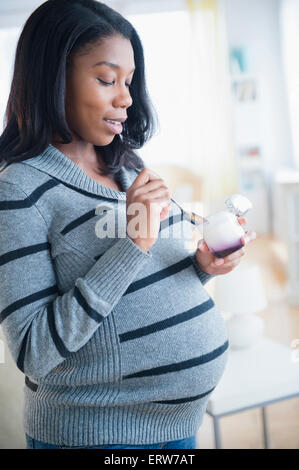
266,373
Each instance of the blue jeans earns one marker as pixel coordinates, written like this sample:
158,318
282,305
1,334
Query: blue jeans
188,443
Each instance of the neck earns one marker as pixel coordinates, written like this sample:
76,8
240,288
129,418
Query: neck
81,153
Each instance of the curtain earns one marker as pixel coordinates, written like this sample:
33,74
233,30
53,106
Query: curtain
212,140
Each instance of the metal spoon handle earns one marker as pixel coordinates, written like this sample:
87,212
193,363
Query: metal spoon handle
194,218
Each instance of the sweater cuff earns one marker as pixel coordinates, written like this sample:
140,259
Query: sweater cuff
204,277
113,273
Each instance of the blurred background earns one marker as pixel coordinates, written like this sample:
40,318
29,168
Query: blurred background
223,76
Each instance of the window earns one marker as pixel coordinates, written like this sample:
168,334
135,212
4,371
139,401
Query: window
8,43
168,73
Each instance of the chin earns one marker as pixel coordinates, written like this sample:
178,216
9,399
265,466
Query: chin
104,141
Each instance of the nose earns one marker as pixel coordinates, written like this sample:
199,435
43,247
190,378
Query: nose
123,98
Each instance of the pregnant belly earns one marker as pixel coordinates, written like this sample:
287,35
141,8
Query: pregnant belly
175,359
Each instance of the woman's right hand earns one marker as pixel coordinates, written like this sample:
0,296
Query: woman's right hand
152,196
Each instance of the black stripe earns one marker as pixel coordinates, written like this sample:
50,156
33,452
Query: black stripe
63,351
82,219
173,219
38,192
79,221
27,300
82,302
169,322
185,400
159,275
30,200
10,205
28,250
30,384
181,365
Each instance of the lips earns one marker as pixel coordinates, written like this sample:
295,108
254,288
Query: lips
115,126
116,120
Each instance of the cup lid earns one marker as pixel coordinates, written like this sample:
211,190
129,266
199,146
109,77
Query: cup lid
238,204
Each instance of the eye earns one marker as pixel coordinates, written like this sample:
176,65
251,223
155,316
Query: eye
111,83
105,83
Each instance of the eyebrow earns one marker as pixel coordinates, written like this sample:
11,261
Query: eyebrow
110,64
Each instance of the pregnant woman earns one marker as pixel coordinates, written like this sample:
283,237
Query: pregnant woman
119,342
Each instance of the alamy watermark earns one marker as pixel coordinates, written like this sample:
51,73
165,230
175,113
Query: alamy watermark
295,352
113,221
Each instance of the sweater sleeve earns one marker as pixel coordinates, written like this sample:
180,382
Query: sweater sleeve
204,277
41,327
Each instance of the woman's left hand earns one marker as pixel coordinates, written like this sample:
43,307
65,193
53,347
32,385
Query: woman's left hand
210,264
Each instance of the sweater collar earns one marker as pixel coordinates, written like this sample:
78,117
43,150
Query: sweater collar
56,164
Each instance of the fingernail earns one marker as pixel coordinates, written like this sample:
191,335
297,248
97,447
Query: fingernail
219,261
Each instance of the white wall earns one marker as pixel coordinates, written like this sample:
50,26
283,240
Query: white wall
255,24
16,12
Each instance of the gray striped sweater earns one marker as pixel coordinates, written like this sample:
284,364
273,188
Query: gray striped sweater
117,345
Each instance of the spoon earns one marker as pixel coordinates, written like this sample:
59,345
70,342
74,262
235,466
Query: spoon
192,216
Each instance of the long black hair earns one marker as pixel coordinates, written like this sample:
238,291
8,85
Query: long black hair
35,110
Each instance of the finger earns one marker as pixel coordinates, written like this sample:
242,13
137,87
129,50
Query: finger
154,185
242,220
161,191
160,202
227,259
202,246
235,255
226,267
231,264
217,262
248,237
144,177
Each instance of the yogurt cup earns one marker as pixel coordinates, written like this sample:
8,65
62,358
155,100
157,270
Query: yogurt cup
222,231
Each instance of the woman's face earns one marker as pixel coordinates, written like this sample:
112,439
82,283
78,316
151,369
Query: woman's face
98,91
